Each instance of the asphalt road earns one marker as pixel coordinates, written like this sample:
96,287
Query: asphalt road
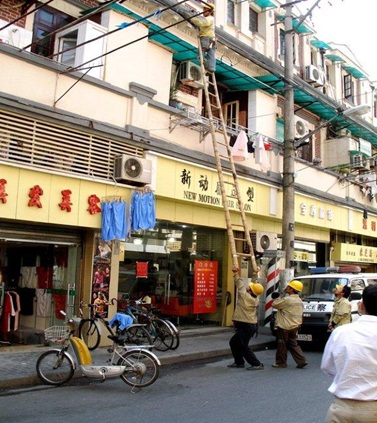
194,392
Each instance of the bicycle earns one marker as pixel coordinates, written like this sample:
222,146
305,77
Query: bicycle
165,335
90,330
135,365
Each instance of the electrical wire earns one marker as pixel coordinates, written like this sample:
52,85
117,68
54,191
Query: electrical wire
128,44
25,14
76,21
156,13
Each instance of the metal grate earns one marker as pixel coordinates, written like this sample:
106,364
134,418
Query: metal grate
39,144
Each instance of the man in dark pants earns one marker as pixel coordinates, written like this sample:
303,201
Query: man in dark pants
288,319
245,323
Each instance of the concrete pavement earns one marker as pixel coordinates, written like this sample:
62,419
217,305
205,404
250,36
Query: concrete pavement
17,363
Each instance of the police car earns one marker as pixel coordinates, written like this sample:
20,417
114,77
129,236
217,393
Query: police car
318,298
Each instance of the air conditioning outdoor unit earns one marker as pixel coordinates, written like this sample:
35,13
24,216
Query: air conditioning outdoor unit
263,241
133,170
358,161
190,74
301,127
315,75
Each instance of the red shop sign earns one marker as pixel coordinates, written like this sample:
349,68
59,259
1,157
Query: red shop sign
205,286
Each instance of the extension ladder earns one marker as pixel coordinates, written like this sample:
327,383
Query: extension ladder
234,217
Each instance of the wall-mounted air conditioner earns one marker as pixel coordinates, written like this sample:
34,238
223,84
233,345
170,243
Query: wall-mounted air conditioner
315,75
359,161
190,74
263,241
301,127
132,170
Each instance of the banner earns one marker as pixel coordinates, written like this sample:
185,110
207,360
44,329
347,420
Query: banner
205,286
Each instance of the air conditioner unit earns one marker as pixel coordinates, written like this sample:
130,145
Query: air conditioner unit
301,127
133,170
315,75
358,161
263,241
190,74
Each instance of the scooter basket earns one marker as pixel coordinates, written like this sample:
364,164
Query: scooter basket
56,333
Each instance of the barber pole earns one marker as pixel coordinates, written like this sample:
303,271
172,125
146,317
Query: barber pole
273,277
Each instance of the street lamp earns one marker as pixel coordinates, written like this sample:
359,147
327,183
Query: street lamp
288,226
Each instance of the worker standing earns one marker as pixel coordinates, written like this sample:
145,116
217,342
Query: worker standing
288,320
206,25
245,323
341,312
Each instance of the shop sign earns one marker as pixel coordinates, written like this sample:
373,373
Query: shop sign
205,286
354,253
198,189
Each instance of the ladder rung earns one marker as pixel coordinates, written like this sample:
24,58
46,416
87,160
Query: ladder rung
240,239
244,254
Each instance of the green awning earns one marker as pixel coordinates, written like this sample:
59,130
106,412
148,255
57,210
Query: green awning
320,44
264,3
354,72
334,58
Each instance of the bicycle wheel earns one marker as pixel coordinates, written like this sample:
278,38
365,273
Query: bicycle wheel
176,339
142,368
54,367
163,335
89,333
138,335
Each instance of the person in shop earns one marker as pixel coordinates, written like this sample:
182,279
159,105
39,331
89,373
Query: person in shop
288,320
341,312
245,323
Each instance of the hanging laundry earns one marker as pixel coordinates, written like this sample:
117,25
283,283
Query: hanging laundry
143,211
260,153
114,217
239,150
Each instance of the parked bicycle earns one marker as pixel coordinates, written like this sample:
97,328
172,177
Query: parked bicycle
135,365
165,335
130,333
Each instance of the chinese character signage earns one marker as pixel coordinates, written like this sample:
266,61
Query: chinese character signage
354,253
205,286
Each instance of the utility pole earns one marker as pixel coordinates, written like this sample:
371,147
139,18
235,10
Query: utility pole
288,218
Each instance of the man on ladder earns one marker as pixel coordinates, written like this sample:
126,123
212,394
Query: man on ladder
206,25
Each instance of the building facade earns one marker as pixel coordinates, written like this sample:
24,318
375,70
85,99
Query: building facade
100,102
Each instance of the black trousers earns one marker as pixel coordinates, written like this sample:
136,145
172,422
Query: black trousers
239,344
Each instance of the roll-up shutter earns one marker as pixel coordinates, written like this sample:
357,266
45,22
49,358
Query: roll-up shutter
39,233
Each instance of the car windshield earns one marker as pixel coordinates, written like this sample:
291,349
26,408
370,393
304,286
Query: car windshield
320,289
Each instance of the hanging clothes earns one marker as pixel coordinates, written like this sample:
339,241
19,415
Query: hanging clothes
143,211
11,309
261,156
114,220
239,149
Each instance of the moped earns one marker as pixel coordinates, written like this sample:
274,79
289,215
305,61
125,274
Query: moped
135,365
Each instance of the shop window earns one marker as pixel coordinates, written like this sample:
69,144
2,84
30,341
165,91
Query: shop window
167,256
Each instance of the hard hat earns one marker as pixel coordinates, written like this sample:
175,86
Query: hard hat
210,7
339,287
296,285
256,288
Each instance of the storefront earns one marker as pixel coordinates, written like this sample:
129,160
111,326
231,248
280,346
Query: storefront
165,264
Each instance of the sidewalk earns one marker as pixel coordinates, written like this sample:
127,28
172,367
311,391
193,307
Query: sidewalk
17,364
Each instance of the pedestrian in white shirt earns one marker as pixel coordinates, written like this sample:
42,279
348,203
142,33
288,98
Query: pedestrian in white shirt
350,356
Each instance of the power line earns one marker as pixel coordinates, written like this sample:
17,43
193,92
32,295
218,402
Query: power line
132,42
76,21
26,14
156,13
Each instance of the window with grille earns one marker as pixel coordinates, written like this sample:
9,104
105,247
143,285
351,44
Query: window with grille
231,114
348,87
231,12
